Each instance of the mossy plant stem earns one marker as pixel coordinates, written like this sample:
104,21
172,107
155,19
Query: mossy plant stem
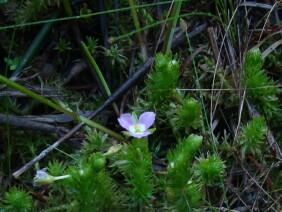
177,97
143,47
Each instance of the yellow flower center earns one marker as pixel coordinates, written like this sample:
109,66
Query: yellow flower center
137,128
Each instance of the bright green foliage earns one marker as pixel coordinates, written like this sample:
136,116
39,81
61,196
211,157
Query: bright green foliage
253,136
254,60
162,82
17,200
90,186
259,87
182,191
189,114
181,158
186,198
135,162
95,142
209,170
56,168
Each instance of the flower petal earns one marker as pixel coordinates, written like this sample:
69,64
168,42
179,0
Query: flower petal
41,174
126,120
147,119
140,134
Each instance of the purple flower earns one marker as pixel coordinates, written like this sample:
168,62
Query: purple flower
137,127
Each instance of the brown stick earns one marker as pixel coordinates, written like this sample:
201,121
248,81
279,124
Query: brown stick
269,182
213,39
26,124
17,173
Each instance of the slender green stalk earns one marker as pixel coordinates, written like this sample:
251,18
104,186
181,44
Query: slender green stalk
10,50
97,69
205,113
101,128
99,73
200,90
171,27
161,22
9,145
34,95
91,59
36,44
67,7
84,16
50,103
123,9
143,47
